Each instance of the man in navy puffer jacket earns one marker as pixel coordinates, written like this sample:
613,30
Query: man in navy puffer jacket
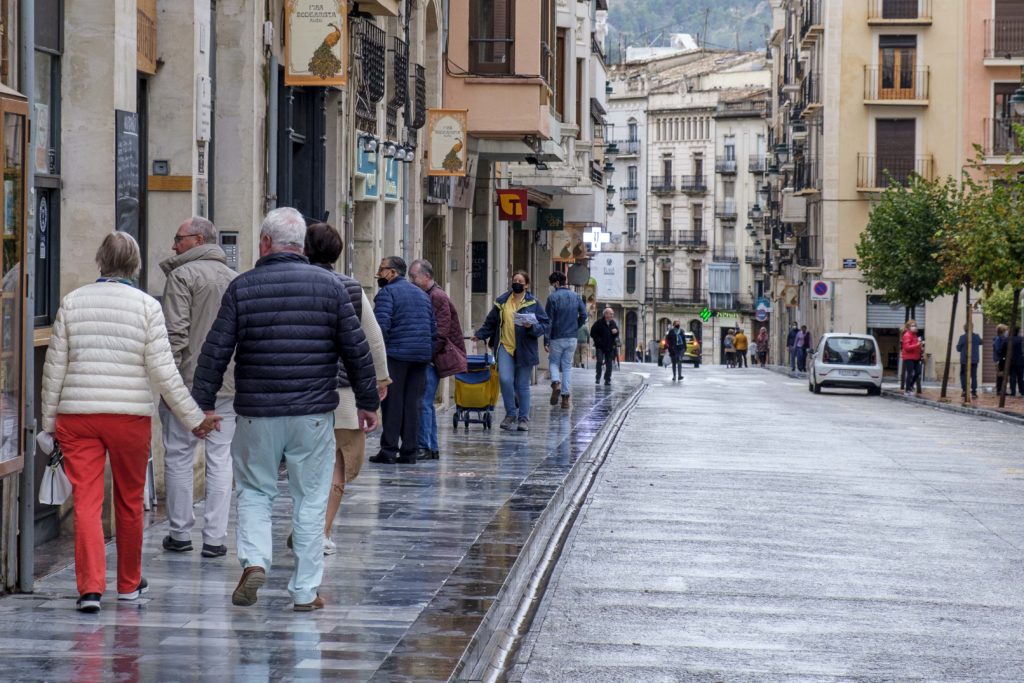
406,319
288,325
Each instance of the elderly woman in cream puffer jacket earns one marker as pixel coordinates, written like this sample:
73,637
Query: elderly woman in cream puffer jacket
108,352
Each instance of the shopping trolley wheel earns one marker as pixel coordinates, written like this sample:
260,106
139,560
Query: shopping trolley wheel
455,419
466,419
487,420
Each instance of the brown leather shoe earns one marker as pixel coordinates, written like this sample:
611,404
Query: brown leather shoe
252,580
556,388
566,403
317,603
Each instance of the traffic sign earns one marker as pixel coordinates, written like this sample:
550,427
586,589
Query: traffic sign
761,315
821,290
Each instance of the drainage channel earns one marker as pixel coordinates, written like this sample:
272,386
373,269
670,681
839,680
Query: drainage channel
492,652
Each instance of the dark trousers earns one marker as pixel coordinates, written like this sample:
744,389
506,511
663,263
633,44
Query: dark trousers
801,359
1016,379
677,365
1000,370
912,372
741,359
401,408
606,359
974,378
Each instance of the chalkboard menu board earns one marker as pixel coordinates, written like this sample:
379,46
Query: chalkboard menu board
479,272
126,172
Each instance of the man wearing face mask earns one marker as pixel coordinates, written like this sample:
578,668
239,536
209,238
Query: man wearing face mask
604,332
567,313
406,319
675,341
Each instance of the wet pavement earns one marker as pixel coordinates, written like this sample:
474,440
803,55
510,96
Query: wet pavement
422,552
746,530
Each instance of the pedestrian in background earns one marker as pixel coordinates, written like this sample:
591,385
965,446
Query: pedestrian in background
288,325
323,247
802,344
1016,358
741,343
791,345
911,349
675,342
730,348
1000,346
961,346
566,314
108,353
449,354
406,319
197,276
762,346
604,332
512,328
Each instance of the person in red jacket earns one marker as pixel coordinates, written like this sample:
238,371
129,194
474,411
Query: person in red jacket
911,346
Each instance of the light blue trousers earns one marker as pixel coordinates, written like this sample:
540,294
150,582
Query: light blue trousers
560,355
307,444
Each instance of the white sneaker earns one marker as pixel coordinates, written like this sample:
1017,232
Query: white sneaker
329,547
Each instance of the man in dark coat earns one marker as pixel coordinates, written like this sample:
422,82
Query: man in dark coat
288,324
604,333
961,346
406,320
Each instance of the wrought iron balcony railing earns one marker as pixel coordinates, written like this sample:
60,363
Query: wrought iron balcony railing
874,171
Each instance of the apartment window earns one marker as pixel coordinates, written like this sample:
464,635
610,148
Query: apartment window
666,284
896,58
558,81
894,150
698,166
1004,138
666,168
666,221
630,277
695,282
698,219
730,148
633,131
492,36
631,176
631,225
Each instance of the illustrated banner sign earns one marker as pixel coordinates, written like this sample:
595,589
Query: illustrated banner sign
512,205
447,146
316,42
567,244
462,188
550,219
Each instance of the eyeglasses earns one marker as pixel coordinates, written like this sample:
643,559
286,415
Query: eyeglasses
381,271
178,238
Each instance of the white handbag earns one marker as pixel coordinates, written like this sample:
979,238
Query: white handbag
55,487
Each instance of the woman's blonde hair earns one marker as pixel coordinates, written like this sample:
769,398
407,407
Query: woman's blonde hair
119,256
910,323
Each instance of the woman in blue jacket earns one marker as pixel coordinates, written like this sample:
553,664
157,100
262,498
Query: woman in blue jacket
512,329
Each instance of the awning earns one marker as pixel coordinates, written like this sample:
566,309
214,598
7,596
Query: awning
597,111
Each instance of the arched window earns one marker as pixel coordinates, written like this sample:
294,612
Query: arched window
631,277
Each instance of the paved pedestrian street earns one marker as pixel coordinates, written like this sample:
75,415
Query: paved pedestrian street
422,552
743,529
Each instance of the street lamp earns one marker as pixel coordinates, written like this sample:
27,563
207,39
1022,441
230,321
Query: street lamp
1017,98
610,209
782,154
756,213
750,229
611,191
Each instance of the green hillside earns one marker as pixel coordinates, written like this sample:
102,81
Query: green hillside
649,22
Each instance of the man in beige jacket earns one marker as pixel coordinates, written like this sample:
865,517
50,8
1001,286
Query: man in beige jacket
197,276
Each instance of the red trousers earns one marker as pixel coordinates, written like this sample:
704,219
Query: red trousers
86,440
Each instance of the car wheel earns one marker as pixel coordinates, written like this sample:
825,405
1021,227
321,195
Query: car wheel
810,385
817,388
874,391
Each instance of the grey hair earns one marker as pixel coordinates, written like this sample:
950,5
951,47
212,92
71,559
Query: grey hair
200,226
607,310
119,256
398,263
285,227
424,267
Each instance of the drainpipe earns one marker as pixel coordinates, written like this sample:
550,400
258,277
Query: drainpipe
271,198
27,508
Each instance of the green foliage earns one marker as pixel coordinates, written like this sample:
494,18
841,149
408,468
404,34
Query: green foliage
897,250
998,306
649,22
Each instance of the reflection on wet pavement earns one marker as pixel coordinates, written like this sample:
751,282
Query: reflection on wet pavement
422,552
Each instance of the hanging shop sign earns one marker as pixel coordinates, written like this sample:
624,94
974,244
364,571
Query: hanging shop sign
447,146
462,188
567,244
512,205
391,174
550,219
316,42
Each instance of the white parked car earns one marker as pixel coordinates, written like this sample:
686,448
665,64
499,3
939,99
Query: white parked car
846,361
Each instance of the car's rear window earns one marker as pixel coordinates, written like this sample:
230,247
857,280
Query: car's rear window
845,351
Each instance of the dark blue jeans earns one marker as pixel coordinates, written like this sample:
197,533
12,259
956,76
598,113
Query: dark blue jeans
428,415
974,378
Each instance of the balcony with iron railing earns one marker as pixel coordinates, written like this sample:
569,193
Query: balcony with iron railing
725,254
626,148
693,184
630,195
757,163
808,251
725,165
680,296
874,171
742,108
811,22
806,175
1004,41
1001,138
437,189
899,12
810,90
754,255
685,239
887,85
663,184
726,211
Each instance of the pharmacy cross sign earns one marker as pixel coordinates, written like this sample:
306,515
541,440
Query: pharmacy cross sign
596,237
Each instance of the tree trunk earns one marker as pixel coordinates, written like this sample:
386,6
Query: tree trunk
1009,348
949,346
970,337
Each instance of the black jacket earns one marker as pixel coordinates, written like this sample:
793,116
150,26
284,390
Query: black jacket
601,333
288,324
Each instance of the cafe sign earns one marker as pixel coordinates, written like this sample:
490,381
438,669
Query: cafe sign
316,42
